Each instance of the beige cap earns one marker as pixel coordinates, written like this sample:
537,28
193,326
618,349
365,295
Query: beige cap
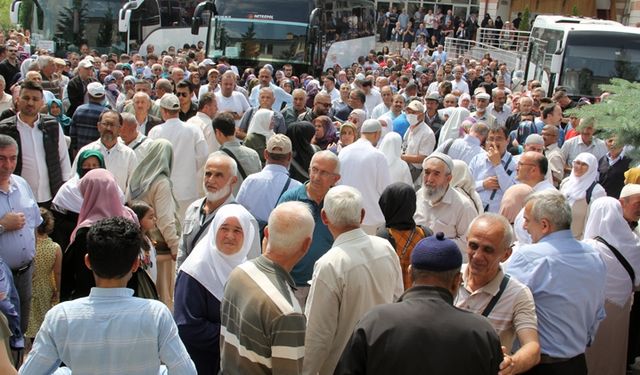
629,190
170,102
416,106
279,144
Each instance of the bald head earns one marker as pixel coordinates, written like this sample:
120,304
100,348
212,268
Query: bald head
290,229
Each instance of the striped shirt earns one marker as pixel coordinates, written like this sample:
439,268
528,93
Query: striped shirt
262,325
514,311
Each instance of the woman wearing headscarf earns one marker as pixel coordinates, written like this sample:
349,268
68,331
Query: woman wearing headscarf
608,232
325,132
201,280
150,183
391,147
312,88
301,133
581,188
112,91
67,202
259,131
462,181
57,110
450,129
398,204
101,200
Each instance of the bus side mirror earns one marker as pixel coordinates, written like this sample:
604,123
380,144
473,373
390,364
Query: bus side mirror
556,63
124,17
195,25
14,12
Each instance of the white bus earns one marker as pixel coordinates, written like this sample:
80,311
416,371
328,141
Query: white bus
310,35
582,53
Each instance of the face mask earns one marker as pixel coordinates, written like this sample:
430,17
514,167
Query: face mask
413,119
139,71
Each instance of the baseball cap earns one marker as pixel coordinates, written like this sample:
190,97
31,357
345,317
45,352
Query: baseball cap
415,105
170,102
95,89
433,96
85,63
279,144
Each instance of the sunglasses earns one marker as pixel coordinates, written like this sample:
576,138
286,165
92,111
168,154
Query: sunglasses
184,94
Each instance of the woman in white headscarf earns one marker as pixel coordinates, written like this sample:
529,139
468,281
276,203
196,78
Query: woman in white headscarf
462,181
581,188
450,129
259,131
201,281
606,228
391,147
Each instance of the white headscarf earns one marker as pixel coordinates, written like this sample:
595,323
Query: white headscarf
69,197
450,129
261,123
575,188
207,264
391,147
462,180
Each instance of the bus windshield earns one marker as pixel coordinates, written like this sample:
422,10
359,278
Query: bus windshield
591,58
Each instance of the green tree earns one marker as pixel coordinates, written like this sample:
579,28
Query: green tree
618,114
71,24
105,30
526,19
249,47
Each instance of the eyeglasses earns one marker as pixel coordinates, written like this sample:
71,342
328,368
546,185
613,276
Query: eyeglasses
326,104
320,173
183,94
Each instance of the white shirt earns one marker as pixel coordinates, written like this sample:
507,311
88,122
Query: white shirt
204,123
356,274
34,165
419,140
206,88
574,146
237,103
140,146
379,110
501,117
461,86
465,149
120,160
365,168
190,152
335,93
372,100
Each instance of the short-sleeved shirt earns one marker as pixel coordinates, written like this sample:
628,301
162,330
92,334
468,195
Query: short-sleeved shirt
419,140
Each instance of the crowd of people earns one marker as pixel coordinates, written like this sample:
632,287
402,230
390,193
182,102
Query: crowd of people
402,214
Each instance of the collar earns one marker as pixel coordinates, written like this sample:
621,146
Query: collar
613,161
558,235
471,139
35,124
552,147
267,265
174,120
492,287
349,236
447,198
97,292
13,186
204,117
276,168
427,291
581,142
104,147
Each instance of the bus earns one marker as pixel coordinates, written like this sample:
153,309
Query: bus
108,25
310,35
581,53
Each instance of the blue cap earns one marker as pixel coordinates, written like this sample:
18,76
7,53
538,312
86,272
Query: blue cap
436,253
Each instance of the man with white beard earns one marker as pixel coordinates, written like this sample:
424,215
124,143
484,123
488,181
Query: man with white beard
220,175
439,207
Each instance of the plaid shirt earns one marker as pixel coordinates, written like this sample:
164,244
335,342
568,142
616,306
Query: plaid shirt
84,125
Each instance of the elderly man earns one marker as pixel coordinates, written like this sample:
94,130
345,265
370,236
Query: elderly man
298,107
43,159
423,332
260,192
143,86
612,167
77,87
220,172
280,96
19,219
567,279
387,99
266,98
321,107
47,68
189,151
356,274
83,129
488,291
553,154
130,137
481,113
493,170
585,142
341,108
212,81
207,110
458,83
365,168
432,118
259,293
230,100
498,108
118,158
324,173
141,107
419,140
469,146
439,206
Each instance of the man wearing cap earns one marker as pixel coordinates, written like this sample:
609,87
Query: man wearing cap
423,332
359,272
432,118
481,113
83,128
419,140
630,201
119,159
189,151
77,87
365,168
567,279
486,290
261,191
440,207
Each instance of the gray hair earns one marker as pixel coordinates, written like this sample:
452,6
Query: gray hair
43,61
265,89
129,118
233,166
299,91
343,206
142,94
6,141
497,219
327,155
290,223
481,129
550,205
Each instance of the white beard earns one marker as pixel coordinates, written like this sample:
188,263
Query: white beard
219,194
433,194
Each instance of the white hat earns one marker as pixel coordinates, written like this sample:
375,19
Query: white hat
371,126
86,63
483,95
629,190
170,102
95,89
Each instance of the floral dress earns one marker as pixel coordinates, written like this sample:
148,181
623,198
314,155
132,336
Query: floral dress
43,284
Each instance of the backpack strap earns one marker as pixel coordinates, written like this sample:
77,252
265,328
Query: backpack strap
589,191
240,169
621,259
496,298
